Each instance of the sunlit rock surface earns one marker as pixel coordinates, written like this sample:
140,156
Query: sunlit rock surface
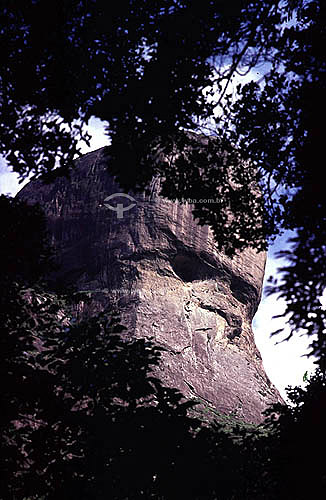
169,280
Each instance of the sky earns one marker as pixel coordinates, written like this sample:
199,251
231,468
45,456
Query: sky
284,363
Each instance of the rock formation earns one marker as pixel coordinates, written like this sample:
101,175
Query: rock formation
169,280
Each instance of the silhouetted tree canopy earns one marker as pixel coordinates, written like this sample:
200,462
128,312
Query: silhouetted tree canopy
141,67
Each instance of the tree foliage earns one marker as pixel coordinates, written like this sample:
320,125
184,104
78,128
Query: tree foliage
294,467
141,67
278,125
25,252
145,69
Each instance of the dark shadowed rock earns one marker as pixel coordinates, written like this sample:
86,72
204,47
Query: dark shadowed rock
169,280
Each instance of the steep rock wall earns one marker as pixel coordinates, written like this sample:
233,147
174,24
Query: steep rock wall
170,281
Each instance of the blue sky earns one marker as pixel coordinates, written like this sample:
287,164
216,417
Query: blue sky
283,362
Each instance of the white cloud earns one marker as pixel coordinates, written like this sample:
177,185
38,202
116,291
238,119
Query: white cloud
284,363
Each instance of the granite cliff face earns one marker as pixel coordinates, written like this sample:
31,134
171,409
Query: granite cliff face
169,280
